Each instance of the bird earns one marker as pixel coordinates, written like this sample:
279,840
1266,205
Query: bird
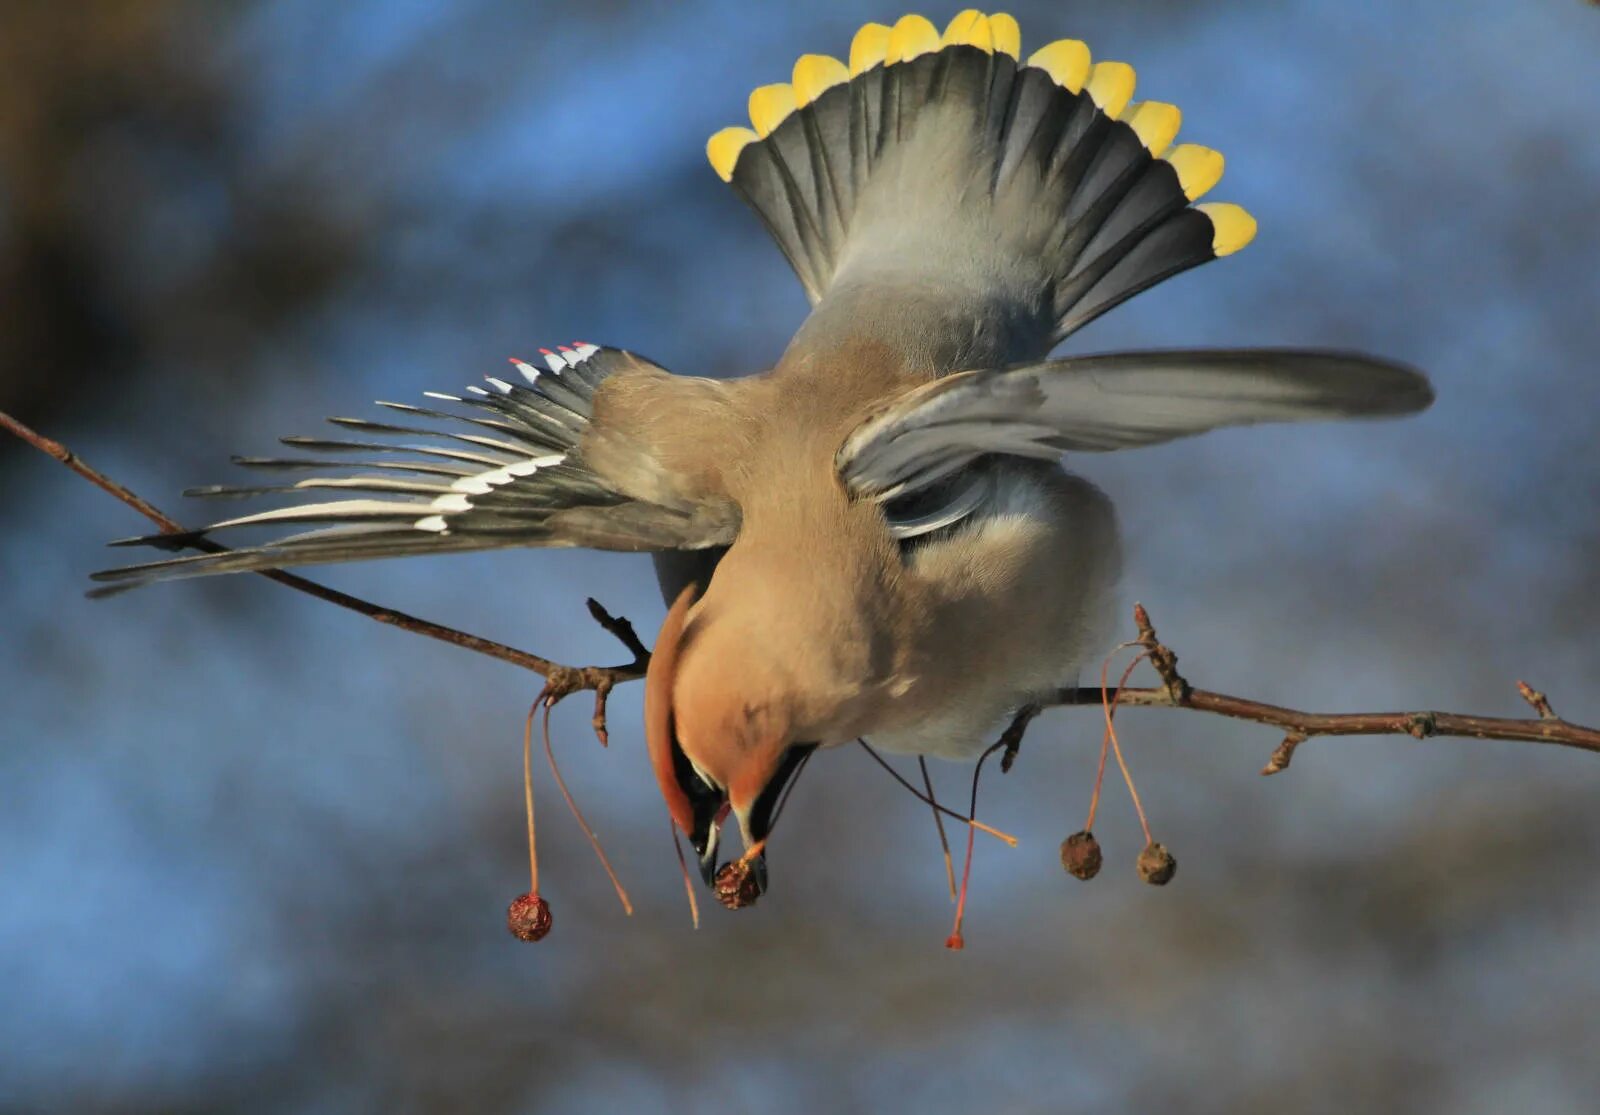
876,537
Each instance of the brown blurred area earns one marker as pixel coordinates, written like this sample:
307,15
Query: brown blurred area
103,118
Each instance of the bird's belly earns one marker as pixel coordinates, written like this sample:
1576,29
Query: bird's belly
959,731
1037,575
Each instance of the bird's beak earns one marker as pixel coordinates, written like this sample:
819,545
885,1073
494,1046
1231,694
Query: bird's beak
757,815
706,836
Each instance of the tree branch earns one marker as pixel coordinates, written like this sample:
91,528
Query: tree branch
1173,692
1176,692
562,680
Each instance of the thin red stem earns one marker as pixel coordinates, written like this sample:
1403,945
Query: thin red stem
1109,703
1105,738
955,940
577,813
527,797
683,865
938,822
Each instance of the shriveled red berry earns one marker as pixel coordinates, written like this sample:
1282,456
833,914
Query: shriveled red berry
736,885
1156,865
528,917
1080,855
955,941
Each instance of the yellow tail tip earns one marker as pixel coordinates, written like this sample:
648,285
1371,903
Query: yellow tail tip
1156,123
1007,35
1067,62
970,28
1111,86
815,74
1232,226
912,37
869,48
724,147
1199,168
769,105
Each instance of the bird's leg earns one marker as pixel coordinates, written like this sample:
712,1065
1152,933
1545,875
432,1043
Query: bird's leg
1012,736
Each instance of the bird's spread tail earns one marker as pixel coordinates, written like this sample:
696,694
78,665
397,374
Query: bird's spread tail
1026,197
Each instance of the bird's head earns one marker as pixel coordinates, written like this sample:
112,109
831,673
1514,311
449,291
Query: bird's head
719,742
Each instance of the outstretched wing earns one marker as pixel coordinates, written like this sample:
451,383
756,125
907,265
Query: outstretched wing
1114,401
508,469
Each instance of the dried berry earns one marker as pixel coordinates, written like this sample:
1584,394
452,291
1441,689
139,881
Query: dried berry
955,941
736,885
1156,865
1080,855
528,917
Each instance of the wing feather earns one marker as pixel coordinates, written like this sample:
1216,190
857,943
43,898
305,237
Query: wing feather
528,485
1114,401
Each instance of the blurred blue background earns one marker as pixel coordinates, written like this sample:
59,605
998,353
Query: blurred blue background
256,851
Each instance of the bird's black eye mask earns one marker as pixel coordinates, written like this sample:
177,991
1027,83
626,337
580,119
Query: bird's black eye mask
708,805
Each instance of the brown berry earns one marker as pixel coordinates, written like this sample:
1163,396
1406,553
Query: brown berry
528,917
1080,855
736,885
1156,865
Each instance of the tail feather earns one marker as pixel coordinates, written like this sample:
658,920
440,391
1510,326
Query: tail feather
1008,200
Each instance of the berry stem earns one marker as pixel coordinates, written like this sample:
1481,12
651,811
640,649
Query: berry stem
1110,705
916,793
527,797
956,940
683,866
938,821
594,841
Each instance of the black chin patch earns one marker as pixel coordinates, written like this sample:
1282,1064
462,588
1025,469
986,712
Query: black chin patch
767,801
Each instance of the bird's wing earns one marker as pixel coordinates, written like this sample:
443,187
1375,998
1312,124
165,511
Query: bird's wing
1115,401
513,465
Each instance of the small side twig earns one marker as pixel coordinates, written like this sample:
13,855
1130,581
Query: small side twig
1161,657
1283,754
623,631
1540,703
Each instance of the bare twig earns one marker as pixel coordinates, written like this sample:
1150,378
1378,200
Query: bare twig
1283,754
1165,662
1540,703
1175,692
563,680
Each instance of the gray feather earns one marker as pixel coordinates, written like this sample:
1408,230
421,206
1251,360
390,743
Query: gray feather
529,486
1116,401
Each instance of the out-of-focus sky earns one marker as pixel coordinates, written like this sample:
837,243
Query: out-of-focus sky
255,852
